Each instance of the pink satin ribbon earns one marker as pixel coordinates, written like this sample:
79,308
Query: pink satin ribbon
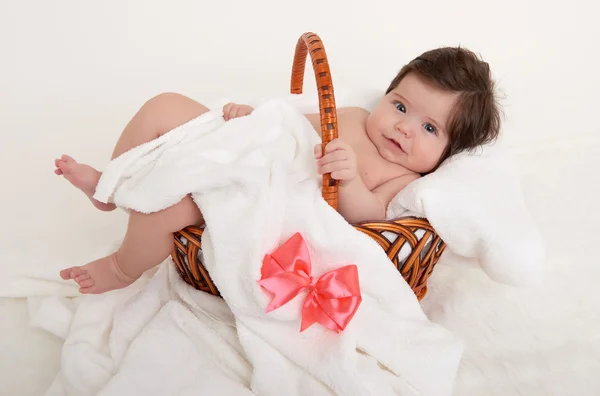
333,298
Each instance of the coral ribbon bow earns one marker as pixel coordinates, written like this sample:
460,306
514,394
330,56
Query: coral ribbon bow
333,298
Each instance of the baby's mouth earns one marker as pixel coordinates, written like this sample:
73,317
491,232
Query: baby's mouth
395,143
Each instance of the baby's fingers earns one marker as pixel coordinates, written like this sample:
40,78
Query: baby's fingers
333,167
342,174
226,110
335,144
338,155
318,151
233,113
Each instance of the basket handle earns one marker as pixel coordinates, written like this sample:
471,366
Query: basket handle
311,43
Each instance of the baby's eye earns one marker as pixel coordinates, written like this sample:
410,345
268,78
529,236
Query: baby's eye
429,128
401,107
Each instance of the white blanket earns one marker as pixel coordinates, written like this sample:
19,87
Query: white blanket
255,180
475,203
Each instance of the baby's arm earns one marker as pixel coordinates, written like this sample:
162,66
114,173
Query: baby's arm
357,203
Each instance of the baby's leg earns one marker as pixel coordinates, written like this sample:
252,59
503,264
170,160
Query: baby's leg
82,176
147,243
155,118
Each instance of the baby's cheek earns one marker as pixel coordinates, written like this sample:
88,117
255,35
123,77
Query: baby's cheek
433,159
423,159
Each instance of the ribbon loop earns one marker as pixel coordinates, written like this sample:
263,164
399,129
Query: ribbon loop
333,298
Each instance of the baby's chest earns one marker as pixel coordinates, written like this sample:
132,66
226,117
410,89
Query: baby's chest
372,169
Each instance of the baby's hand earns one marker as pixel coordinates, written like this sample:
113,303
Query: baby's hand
233,110
339,160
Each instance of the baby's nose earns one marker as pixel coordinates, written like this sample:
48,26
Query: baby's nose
407,128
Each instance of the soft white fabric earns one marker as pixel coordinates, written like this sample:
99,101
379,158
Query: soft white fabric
255,180
152,338
475,203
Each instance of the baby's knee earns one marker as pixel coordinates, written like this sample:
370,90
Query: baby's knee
171,109
165,99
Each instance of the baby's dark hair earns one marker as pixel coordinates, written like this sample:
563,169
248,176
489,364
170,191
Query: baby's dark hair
475,119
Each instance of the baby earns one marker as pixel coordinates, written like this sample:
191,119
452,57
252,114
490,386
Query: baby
439,104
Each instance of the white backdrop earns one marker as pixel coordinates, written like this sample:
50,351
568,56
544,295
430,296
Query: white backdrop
72,73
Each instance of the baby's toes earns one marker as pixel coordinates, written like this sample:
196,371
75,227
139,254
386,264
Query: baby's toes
77,271
57,165
67,159
65,167
82,277
66,164
89,282
66,274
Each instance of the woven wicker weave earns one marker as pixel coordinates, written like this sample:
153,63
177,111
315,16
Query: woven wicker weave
411,243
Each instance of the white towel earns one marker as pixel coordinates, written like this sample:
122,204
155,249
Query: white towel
255,180
475,203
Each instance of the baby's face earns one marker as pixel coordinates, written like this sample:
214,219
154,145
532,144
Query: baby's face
409,125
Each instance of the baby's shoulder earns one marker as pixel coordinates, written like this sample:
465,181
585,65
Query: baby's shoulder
358,112
352,119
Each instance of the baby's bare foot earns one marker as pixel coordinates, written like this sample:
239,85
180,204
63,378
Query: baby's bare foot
99,276
82,176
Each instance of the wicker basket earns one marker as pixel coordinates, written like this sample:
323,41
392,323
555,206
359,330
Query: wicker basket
411,243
